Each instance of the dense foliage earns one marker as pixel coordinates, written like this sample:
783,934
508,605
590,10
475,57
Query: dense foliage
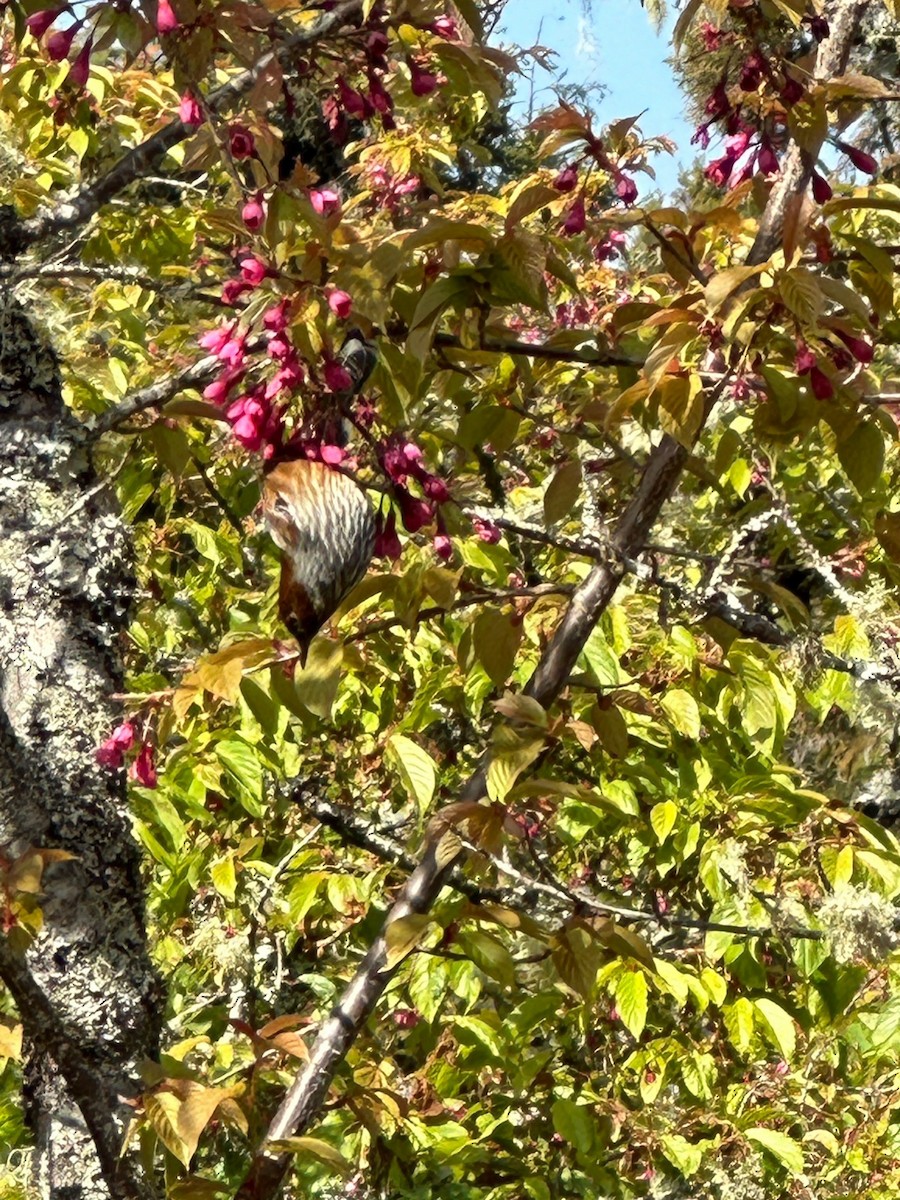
665,965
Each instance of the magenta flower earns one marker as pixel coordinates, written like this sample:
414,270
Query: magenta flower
60,43
422,82
387,543
792,92
340,303
189,110
486,531
626,189
567,179
377,44
767,159
575,217
822,386
214,339
39,22
821,188
217,391
859,158
232,352
444,26
80,70
861,350
142,770
253,213
351,101
805,359
443,547
253,271
435,489
280,348
325,201
111,753
233,289
166,21
337,378
414,512
275,318
242,143
332,456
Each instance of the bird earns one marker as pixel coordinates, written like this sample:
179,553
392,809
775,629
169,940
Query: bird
324,526
320,519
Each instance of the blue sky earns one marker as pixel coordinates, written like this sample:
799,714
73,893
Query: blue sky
612,43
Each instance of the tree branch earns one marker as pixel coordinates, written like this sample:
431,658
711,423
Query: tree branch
147,157
46,1031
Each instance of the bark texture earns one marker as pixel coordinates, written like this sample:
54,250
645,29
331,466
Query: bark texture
65,582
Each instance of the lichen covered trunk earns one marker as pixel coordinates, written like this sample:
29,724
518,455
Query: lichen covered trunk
65,582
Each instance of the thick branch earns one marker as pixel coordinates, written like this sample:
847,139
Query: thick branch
44,1028
147,157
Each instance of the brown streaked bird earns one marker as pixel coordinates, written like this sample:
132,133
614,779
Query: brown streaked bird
325,528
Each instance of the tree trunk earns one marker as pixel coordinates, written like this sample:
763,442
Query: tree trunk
65,583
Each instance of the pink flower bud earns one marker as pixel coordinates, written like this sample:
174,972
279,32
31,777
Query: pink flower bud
422,82
486,531
253,214
859,158
387,543
253,271
233,289
821,188
435,489
414,513
39,22
567,179
443,547
80,70
805,359
166,21
351,101
340,303
217,391
214,339
444,27
377,44
626,189
60,43
275,318
142,770
575,217
861,350
822,386
792,92
189,110
337,378
767,159
325,201
242,143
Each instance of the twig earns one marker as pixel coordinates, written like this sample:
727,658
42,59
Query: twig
157,394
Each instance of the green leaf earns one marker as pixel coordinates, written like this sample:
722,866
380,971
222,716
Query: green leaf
663,817
575,1123
631,1001
496,640
242,764
682,1154
779,1025
739,1023
683,711
403,935
562,492
417,769
317,684
315,1148
788,1152
862,456
489,955
224,879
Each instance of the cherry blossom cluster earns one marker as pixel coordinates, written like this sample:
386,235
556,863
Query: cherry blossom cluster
111,754
566,180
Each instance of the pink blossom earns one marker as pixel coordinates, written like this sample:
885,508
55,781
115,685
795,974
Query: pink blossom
337,378
435,489
719,170
217,391
626,189
242,143
822,387
189,110
287,377
233,289
387,543
805,359
280,348
443,547
752,72
444,26
351,101
567,179
859,158
214,339
486,531
413,512
377,44
233,350
111,752
406,1018
253,271
39,22
712,37
381,99
861,350
60,43
821,188
738,142
142,770
325,201
253,213
340,303
166,21
422,82
575,217
275,318
332,455
767,160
